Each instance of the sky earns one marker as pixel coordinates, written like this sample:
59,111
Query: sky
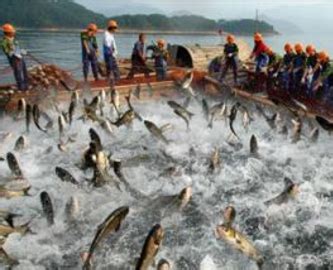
310,15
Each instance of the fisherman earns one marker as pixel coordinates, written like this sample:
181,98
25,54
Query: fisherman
110,52
286,66
139,58
321,77
161,56
310,76
89,51
273,60
298,66
259,52
14,53
230,55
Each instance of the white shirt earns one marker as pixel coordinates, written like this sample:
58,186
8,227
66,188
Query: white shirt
110,42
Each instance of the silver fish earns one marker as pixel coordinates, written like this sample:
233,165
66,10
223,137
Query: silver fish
47,207
157,132
20,143
72,208
14,165
65,176
254,145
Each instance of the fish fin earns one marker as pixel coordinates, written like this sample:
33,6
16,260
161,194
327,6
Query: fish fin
26,191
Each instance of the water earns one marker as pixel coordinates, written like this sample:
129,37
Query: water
64,48
298,235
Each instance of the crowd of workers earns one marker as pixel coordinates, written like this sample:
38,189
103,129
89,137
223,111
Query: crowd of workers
90,55
299,68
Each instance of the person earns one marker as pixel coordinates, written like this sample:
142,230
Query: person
110,52
298,66
12,50
259,52
230,55
90,51
321,73
139,58
309,76
286,66
161,56
273,61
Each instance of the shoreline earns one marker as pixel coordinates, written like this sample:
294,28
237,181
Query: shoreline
149,32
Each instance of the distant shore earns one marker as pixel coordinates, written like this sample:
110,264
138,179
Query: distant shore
149,32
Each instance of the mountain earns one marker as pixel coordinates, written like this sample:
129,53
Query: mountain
130,8
47,14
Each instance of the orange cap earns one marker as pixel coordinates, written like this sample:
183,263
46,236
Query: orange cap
92,27
310,49
231,38
288,48
258,37
161,42
323,56
8,28
112,24
299,47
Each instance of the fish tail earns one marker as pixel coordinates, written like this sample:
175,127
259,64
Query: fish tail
26,191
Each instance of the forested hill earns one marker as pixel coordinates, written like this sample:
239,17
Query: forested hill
68,14
46,14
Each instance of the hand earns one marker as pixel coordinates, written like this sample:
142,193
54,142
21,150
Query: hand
230,55
303,81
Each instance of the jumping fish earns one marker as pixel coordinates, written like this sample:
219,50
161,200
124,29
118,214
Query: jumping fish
254,145
47,207
28,114
111,223
14,166
151,247
290,192
65,176
157,132
20,143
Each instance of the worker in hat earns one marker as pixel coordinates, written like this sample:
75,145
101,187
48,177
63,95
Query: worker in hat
139,58
230,55
310,76
273,61
161,56
321,74
298,67
11,48
90,51
286,66
259,52
110,52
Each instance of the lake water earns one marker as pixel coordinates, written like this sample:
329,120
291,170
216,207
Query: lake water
64,49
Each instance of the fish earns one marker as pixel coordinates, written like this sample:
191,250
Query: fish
150,90
115,100
65,176
297,129
126,119
20,144
47,207
36,116
13,193
205,109
254,145
6,230
111,223
21,108
232,118
75,97
325,124
72,208
215,161
71,111
6,260
175,106
128,100
218,109
239,242
94,137
185,85
314,135
271,121
137,91
184,117
8,217
150,248
28,113
163,265
157,132
61,125
185,197
106,126
14,166
247,119
229,216
290,191
62,147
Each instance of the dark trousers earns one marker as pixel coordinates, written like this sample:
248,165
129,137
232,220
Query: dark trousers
297,79
112,68
230,63
87,61
161,73
20,72
138,66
